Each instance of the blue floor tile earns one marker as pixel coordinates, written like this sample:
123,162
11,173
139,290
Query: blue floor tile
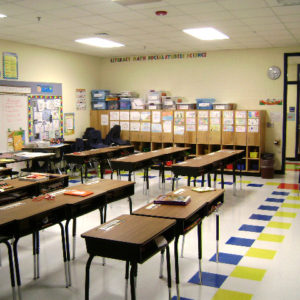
240,242
74,181
260,217
251,228
209,279
227,182
276,200
227,258
280,193
268,207
255,185
181,298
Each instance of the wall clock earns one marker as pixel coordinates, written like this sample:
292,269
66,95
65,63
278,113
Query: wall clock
274,72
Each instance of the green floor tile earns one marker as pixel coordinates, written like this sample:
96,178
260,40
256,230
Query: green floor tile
290,205
285,214
277,238
248,273
272,183
293,198
261,253
231,295
281,225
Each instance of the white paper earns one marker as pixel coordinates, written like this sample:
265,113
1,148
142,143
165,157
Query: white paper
41,105
215,121
146,116
167,126
241,121
179,130
203,113
104,120
135,116
190,127
113,123
135,126
241,114
38,128
203,128
190,121
39,116
56,102
156,127
114,116
240,128
228,114
145,126
253,128
215,114
50,104
190,114
156,117
69,123
124,126
124,115
56,125
253,122
228,121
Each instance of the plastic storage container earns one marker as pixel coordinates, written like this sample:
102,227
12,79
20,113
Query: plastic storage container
228,106
98,104
113,104
125,104
99,94
205,103
137,103
266,165
153,106
186,106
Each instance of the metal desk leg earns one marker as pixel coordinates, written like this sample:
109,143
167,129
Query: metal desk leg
215,180
202,180
163,178
130,205
37,254
74,237
18,277
169,273
217,235
241,187
195,181
162,252
200,251
87,276
173,182
208,179
0,259
34,254
189,181
132,280
222,177
126,279
177,267
63,240
182,245
234,178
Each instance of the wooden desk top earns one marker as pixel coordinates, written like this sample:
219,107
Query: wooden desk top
94,152
178,212
50,147
149,155
130,229
211,158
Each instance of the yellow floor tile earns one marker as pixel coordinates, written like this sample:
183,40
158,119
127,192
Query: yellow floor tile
277,238
285,214
272,183
281,225
261,253
293,198
248,273
231,295
290,205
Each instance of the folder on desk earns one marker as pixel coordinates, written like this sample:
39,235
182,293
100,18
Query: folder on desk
172,200
78,193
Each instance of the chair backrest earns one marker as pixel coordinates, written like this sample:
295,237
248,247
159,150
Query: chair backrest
116,132
88,132
78,145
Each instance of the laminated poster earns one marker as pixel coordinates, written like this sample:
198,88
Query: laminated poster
124,126
124,116
252,128
228,128
228,114
113,123
179,130
104,120
114,116
254,122
135,116
190,121
241,114
203,121
190,114
179,115
203,114
156,117
191,127
167,116
145,126
228,121
215,121
167,126
240,128
146,116
215,128
215,114
135,126
156,127
241,121
203,127
253,114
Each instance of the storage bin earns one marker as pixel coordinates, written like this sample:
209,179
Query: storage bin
137,103
125,104
169,102
113,104
253,154
99,94
186,106
98,104
155,97
228,106
170,107
153,106
204,105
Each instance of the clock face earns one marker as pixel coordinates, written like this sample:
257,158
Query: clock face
274,72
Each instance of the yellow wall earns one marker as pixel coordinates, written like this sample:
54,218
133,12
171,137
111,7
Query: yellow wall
49,65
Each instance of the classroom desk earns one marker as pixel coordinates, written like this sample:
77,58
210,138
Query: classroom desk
99,155
131,238
144,160
24,188
208,163
187,217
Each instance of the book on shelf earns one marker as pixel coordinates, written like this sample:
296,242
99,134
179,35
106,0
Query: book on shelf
34,177
78,193
173,199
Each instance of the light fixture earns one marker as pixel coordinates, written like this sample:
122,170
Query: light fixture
2,16
98,42
206,33
161,13
134,2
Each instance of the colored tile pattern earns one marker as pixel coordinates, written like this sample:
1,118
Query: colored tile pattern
260,217
248,273
268,207
280,193
255,185
227,258
209,279
297,198
272,183
281,225
284,214
222,294
261,253
240,242
290,205
288,186
275,200
251,228
277,238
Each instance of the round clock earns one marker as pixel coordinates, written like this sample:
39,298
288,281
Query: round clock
274,72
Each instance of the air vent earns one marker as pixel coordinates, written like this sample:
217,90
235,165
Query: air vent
134,2
288,2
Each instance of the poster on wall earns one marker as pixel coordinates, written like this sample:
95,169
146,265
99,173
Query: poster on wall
10,65
69,123
15,140
81,99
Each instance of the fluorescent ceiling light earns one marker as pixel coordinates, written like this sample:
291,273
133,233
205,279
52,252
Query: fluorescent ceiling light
207,33
134,2
2,16
98,42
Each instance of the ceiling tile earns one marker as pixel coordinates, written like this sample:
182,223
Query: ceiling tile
261,20
104,8
244,4
287,10
42,5
253,12
201,7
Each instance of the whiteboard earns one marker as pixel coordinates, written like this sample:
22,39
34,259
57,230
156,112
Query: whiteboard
13,116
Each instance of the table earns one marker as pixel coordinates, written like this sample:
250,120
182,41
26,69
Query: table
99,155
131,238
144,160
208,163
187,217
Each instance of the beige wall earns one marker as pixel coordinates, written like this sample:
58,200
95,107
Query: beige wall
49,65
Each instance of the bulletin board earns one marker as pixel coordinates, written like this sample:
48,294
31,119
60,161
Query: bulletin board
45,117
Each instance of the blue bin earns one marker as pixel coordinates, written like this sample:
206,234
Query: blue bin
205,103
125,104
113,104
98,104
99,94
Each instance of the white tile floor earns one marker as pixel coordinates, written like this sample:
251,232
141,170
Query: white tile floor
280,281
